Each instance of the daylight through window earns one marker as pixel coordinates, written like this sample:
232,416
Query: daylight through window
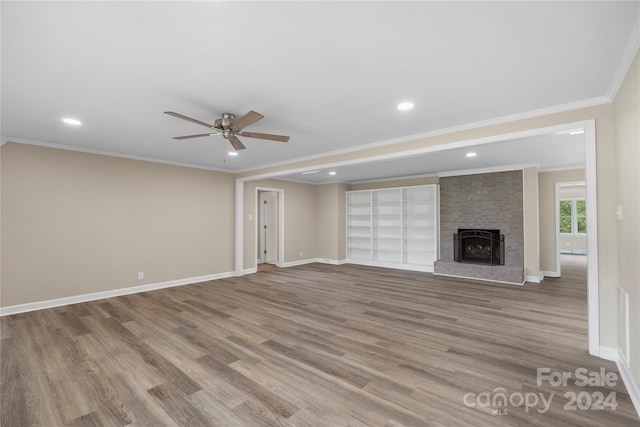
573,216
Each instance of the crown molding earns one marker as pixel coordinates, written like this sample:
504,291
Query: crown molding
110,154
397,178
563,168
299,181
629,54
484,170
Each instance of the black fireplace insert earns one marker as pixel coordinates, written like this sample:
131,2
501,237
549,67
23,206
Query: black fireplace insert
478,246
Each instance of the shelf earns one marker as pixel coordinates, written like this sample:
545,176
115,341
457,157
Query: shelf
387,249
359,212
360,247
393,227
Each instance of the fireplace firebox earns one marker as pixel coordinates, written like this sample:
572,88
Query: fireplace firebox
478,247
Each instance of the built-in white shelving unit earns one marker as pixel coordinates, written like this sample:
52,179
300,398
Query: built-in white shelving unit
395,227
359,225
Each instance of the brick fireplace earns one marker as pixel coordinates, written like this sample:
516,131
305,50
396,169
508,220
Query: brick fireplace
486,212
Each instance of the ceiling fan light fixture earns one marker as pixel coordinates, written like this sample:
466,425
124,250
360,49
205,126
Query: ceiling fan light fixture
405,106
71,121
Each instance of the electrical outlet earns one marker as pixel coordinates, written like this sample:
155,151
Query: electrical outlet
301,254
141,275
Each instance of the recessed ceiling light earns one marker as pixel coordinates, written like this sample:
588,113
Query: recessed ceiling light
404,106
309,172
72,122
471,154
577,132
233,153
332,173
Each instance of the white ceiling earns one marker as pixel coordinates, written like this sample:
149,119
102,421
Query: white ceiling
328,74
547,152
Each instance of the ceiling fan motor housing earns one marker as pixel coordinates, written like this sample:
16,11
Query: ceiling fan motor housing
227,120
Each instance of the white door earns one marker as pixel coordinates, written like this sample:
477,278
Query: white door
269,226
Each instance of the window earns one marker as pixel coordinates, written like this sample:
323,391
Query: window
573,216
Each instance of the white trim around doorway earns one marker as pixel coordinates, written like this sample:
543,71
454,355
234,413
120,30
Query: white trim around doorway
280,191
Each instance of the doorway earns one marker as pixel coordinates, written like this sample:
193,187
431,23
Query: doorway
268,227
571,220
269,237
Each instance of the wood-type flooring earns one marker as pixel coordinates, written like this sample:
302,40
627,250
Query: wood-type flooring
313,345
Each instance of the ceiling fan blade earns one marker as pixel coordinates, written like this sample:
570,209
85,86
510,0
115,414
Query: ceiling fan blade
236,142
280,138
246,120
193,136
180,116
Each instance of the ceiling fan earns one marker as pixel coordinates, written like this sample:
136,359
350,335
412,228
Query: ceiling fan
230,127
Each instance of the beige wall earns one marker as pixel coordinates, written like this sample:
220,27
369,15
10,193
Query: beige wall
0,226
573,243
331,227
299,220
531,222
342,221
75,223
627,127
547,208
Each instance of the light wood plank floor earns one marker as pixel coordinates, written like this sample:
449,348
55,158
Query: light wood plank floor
315,345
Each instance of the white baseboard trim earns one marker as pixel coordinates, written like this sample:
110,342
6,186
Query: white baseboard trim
299,262
534,279
550,274
633,388
477,278
23,308
573,251
409,267
608,353
331,261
